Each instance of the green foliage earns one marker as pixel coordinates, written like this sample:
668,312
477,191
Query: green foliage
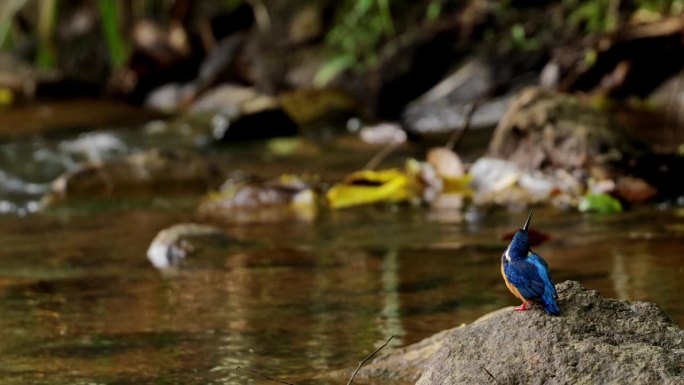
602,16
47,18
596,16
521,41
332,68
361,27
433,11
118,49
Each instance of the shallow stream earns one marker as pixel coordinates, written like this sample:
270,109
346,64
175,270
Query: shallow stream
80,303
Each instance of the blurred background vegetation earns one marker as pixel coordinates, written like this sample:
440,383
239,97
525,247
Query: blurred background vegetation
129,47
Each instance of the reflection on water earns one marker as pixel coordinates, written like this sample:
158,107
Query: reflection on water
79,303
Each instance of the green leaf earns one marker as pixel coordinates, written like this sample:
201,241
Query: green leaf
363,6
600,203
331,69
518,33
433,11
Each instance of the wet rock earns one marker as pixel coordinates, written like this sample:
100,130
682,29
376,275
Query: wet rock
446,163
233,100
317,106
634,190
383,133
218,64
497,181
546,129
154,171
171,245
444,108
491,174
243,198
166,98
594,340
247,113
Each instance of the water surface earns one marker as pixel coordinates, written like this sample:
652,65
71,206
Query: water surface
80,304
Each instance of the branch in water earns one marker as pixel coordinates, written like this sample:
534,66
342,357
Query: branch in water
368,358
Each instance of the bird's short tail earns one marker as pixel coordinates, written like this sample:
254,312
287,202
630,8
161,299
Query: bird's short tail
550,304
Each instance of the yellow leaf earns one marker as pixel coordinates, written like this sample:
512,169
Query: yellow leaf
364,187
458,185
6,96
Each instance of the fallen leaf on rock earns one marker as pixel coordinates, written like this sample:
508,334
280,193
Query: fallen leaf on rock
367,186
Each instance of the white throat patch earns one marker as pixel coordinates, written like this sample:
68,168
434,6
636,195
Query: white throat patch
508,256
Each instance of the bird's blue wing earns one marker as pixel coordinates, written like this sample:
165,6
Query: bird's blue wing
525,277
543,271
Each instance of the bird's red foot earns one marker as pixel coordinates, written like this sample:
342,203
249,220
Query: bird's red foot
523,307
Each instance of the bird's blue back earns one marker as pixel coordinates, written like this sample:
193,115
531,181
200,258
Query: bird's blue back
530,275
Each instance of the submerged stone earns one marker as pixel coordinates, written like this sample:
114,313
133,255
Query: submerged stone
154,171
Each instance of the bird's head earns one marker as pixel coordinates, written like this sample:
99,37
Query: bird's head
520,244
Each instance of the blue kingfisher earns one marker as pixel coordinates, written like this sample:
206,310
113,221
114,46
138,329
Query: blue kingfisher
527,275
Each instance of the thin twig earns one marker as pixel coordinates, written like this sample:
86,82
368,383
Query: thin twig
368,358
381,155
490,375
458,134
238,368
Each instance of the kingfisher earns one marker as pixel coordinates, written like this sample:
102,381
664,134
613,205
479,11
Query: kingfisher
527,275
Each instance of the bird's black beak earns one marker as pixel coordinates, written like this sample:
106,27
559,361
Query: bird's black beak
527,222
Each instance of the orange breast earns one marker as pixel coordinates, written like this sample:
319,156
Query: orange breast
510,285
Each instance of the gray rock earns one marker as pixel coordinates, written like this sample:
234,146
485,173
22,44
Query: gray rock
244,113
167,97
443,108
406,364
594,341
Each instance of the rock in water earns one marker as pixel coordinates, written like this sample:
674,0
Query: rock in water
173,244
594,341
157,171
